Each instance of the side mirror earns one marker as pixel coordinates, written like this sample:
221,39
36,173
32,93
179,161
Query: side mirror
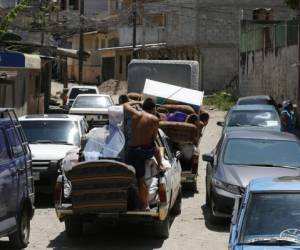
221,124
208,158
178,155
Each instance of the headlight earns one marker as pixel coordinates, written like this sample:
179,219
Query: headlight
67,188
227,187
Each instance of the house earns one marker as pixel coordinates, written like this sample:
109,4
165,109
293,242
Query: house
21,85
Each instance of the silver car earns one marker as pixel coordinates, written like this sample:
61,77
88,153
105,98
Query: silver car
241,156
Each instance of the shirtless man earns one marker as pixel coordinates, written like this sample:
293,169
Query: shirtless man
144,126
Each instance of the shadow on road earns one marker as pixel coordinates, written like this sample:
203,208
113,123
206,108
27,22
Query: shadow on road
223,226
96,236
43,201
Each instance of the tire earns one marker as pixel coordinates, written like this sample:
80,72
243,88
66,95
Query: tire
74,227
213,219
162,229
20,238
176,209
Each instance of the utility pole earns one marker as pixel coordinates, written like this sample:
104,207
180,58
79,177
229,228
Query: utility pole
81,43
134,16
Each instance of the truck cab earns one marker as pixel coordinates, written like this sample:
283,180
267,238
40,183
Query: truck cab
16,181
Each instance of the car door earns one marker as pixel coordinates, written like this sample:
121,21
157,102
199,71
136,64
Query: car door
173,175
19,168
7,183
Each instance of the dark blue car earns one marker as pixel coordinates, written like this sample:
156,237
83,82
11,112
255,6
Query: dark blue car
16,181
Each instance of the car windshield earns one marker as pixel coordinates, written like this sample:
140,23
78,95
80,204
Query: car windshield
262,152
47,131
92,102
77,91
260,118
272,217
254,101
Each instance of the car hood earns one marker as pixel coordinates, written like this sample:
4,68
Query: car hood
266,247
52,152
229,129
242,175
102,111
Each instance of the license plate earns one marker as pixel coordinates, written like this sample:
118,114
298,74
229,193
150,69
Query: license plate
36,176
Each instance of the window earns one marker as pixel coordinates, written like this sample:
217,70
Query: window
63,5
74,4
3,149
96,43
103,43
14,142
121,64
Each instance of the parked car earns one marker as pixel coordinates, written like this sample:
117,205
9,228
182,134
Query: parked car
258,99
74,91
50,138
268,215
93,107
106,191
241,156
258,117
16,181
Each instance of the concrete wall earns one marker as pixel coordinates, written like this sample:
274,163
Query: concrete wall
213,25
270,74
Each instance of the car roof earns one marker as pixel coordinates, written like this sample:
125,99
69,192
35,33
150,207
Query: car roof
99,95
255,97
264,107
285,183
259,134
83,87
51,117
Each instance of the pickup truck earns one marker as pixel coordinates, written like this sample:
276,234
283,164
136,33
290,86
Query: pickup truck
106,190
16,181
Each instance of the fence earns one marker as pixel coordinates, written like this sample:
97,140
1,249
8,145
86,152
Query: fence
267,35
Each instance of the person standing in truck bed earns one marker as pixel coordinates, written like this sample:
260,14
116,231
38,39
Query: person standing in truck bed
144,129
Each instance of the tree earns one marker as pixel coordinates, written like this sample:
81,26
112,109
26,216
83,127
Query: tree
294,4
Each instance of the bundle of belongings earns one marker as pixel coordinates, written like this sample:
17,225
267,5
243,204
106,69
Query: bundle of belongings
109,143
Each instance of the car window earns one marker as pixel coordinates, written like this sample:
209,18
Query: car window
78,91
262,152
261,118
52,131
3,149
15,142
261,210
92,102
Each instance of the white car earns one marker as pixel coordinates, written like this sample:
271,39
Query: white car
93,107
74,91
50,137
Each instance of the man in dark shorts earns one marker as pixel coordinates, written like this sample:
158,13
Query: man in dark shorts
144,128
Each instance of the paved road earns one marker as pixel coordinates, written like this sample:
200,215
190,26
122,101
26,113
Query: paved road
190,230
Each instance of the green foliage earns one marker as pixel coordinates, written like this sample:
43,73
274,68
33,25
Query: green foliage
294,4
12,15
221,100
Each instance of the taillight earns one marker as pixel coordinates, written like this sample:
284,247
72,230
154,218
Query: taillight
65,99
162,193
58,192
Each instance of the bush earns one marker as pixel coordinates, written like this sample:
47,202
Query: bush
221,100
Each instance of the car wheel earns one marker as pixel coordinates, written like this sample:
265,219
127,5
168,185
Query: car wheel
176,209
74,227
207,197
20,238
213,219
162,229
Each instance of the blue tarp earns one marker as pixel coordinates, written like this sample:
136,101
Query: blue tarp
19,60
